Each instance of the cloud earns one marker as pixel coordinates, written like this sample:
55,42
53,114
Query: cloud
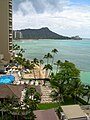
60,16
40,6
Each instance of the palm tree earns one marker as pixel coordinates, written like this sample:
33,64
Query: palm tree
16,47
60,88
26,64
32,99
58,63
54,51
69,71
8,106
66,81
75,89
30,115
32,66
5,108
30,92
16,106
48,69
41,62
35,61
22,50
48,56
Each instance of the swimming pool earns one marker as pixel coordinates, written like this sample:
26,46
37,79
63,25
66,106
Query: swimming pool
7,79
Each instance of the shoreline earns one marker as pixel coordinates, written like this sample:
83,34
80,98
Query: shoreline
44,39
74,51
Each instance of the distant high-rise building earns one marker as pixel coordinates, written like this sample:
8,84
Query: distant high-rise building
6,28
17,34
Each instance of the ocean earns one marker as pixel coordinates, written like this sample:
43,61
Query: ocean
76,51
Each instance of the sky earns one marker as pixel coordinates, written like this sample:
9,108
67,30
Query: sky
65,17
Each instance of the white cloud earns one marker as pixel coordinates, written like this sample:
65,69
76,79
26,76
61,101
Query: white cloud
68,20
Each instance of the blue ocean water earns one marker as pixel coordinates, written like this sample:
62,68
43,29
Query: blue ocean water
76,51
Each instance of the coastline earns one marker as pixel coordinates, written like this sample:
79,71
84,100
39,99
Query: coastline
74,51
45,39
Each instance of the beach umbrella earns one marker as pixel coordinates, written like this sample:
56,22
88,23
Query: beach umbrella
14,67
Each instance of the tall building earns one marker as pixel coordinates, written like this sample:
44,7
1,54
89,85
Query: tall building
17,34
6,28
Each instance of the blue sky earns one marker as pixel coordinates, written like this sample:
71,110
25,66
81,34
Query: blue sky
65,17
81,1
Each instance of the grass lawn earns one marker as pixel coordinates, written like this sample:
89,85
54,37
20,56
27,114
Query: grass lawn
46,106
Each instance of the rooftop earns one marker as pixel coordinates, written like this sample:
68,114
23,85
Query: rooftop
49,114
73,111
10,90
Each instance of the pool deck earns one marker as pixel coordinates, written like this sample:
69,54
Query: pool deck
36,74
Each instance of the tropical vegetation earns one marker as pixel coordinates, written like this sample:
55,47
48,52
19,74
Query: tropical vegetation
64,78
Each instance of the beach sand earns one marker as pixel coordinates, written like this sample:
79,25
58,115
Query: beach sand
37,73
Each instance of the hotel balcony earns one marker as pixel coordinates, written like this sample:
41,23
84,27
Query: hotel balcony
10,48
10,44
10,35
10,7
10,2
10,17
10,22
10,38
10,12
10,27
10,32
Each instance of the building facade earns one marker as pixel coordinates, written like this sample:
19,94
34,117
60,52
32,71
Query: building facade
6,29
17,34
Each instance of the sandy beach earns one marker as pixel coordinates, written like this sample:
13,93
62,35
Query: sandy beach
37,73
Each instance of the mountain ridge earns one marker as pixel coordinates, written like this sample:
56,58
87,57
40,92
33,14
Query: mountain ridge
42,33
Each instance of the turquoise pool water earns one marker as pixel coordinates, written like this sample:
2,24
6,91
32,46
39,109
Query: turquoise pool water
7,79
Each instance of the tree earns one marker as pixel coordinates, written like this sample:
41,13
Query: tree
16,47
32,94
69,71
19,54
48,69
41,62
68,74
35,61
87,92
8,107
58,63
32,66
48,56
60,88
32,99
30,115
27,64
54,51
76,89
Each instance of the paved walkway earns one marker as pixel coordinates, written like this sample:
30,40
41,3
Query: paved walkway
45,98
